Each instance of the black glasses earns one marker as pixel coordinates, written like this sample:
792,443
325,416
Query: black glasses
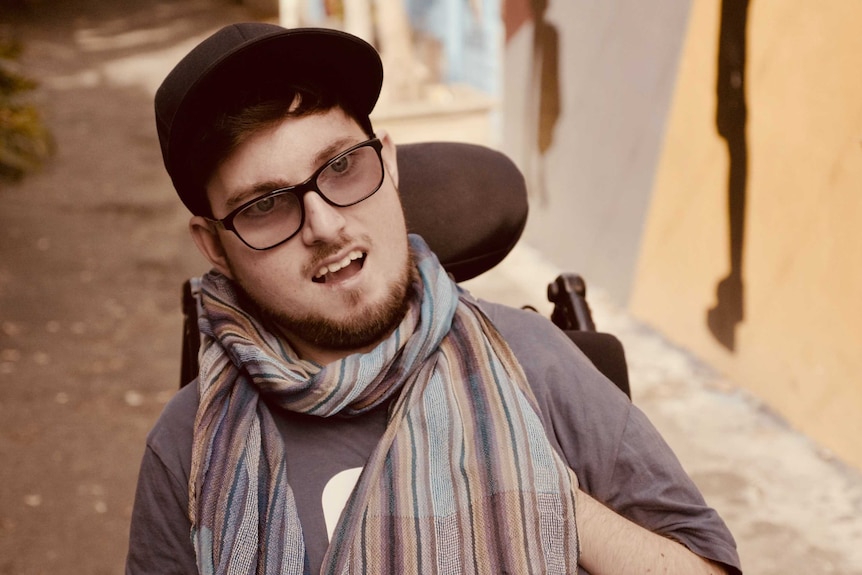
272,219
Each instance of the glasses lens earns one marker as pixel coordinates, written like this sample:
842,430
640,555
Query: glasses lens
269,220
352,177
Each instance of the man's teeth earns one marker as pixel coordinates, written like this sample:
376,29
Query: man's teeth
334,267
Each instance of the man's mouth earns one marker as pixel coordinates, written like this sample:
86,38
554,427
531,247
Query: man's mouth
342,269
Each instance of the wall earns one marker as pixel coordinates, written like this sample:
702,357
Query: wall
778,308
588,86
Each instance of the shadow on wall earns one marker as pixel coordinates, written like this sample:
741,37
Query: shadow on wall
543,104
730,120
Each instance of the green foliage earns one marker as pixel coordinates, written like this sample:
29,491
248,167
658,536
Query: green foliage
24,140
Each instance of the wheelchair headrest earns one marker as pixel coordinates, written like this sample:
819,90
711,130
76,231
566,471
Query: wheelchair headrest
469,202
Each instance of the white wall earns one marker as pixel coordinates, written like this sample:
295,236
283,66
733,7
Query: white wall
590,192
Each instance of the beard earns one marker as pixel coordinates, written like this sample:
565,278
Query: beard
363,328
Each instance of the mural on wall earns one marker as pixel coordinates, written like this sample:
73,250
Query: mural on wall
730,120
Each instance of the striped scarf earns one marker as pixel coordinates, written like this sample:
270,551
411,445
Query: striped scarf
463,480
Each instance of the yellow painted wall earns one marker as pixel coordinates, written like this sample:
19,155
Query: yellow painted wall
799,346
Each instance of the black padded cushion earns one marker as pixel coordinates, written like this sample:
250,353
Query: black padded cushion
469,202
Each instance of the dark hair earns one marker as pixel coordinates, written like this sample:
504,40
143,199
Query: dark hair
257,111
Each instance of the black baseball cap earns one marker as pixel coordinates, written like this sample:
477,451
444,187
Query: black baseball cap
251,56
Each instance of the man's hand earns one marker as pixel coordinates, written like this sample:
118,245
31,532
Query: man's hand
611,544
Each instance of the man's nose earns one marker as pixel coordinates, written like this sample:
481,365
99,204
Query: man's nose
323,222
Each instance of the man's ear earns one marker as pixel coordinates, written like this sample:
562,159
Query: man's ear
207,240
390,157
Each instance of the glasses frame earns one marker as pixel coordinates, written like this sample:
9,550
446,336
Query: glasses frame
299,190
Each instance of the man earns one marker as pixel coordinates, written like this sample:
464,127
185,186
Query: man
355,411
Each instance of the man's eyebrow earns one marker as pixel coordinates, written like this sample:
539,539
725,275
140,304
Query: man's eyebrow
262,188
251,192
334,148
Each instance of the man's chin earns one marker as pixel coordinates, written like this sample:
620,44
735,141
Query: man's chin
362,329
360,326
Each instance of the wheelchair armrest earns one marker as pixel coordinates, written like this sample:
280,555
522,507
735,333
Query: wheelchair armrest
568,293
572,314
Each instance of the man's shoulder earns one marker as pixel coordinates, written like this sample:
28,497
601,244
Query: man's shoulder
180,410
498,311
171,436
570,390
535,340
518,323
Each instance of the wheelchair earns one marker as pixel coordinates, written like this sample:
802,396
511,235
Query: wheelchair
469,203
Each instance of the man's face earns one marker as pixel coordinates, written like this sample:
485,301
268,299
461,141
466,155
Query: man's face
340,284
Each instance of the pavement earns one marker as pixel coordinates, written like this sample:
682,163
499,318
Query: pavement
93,249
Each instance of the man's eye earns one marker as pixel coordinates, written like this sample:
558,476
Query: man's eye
340,165
263,206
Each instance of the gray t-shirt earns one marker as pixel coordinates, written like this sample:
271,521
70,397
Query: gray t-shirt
616,453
